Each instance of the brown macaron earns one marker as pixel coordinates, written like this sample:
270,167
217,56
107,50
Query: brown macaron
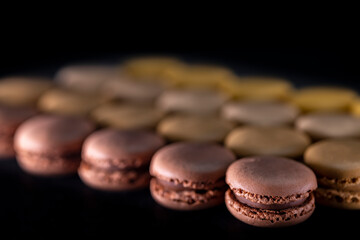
10,119
118,160
189,176
51,145
270,191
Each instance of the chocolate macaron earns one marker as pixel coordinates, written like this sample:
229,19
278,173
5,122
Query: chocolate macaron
270,191
51,145
189,176
10,119
336,163
118,160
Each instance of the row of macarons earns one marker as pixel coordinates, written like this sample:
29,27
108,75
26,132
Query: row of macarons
261,190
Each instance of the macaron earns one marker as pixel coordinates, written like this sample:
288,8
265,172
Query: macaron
118,160
50,145
270,191
22,91
260,113
277,141
151,67
129,90
69,102
85,78
336,163
10,119
127,116
194,128
191,101
328,99
256,88
189,176
322,125
198,76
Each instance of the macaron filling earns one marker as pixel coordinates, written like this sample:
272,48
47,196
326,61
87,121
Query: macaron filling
177,192
270,206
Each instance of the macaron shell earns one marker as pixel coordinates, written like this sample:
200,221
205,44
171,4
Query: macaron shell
191,162
271,176
116,181
335,158
23,91
329,125
337,198
191,101
262,113
269,218
257,140
194,128
183,206
52,134
109,148
323,98
61,101
127,116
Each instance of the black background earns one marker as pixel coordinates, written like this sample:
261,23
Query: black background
42,207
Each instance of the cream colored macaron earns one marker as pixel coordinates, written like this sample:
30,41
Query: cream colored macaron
127,116
261,113
127,89
23,91
275,141
192,101
85,78
256,88
68,102
326,99
194,128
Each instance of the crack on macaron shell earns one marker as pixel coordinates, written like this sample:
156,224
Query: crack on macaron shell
191,184
257,198
112,176
338,195
270,215
190,197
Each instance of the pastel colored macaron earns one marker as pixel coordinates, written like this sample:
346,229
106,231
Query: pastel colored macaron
261,113
194,128
270,191
118,160
277,141
129,90
50,145
69,102
198,76
189,176
337,166
22,91
323,99
10,119
329,125
127,116
85,78
151,67
256,88
191,101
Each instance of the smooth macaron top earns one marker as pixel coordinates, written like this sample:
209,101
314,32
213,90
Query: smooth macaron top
191,162
335,158
121,148
263,113
329,125
46,134
270,176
